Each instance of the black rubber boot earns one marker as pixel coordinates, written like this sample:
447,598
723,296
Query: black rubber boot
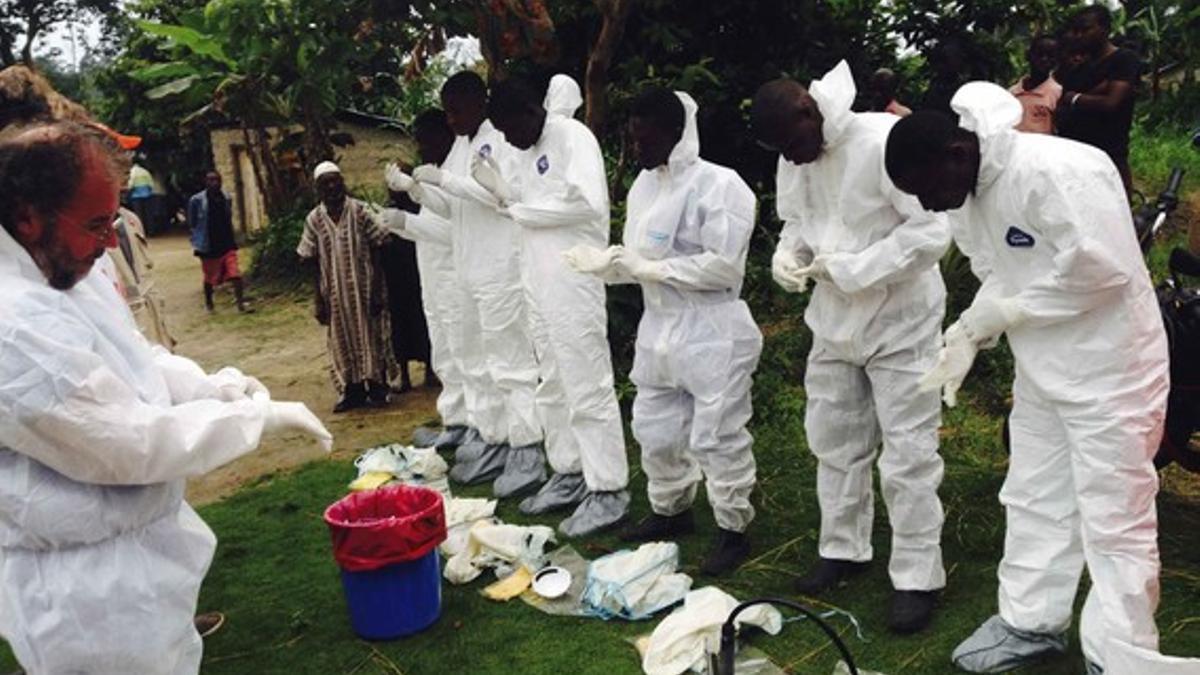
729,551
911,611
827,574
355,396
657,528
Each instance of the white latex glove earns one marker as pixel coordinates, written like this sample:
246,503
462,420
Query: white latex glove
817,270
785,270
989,316
397,180
589,259
233,385
486,172
393,219
428,173
953,364
293,416
638,267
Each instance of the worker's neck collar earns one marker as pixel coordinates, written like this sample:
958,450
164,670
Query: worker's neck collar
13,254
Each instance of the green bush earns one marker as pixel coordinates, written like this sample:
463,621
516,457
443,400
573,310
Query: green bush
1154,152
275,259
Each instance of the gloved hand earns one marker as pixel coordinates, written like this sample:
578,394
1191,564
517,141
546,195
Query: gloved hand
989,316
233,385
589,259
786,272
953,364
428,173
393,219
397,180
293,416
486,172
638,267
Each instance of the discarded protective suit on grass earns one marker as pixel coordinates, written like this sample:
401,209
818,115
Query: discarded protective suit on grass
496,545
682,640
635,584
101,559
562,201
461,515
687,231
876,317
1048,232
406,464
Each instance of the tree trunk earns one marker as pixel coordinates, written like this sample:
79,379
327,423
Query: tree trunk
256,163
615,13
7,57
488,46
33,27
317,146
271,169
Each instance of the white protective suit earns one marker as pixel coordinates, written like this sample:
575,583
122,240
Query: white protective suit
562,202
441,299
101,559
876,323
492,337
1048,230
697,345
682,642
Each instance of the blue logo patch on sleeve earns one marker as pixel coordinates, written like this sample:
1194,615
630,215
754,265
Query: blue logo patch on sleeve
543,164
1018,238
485,150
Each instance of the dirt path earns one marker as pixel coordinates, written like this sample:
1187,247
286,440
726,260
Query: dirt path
282,346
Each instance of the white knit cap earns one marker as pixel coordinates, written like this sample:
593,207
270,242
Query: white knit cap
324,168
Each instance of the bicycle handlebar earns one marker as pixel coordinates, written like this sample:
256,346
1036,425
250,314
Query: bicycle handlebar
1174,181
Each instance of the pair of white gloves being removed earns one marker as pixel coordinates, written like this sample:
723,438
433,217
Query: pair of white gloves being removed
615,260
793,277
980,324
281,416
484,170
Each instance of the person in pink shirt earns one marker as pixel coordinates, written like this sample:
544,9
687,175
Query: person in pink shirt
1038,91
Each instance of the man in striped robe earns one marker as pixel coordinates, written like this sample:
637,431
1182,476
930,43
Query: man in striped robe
343,235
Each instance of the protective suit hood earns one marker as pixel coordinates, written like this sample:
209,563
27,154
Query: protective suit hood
562,96
687,150
834,94
991,113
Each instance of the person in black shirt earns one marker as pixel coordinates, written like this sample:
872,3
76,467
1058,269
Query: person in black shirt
211,221
410,330
1098,92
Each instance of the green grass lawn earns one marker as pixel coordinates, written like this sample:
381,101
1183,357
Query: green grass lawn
275,579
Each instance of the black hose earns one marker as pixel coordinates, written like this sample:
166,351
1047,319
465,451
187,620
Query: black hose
729,633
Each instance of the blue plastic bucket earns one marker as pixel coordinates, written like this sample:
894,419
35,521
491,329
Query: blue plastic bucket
395,600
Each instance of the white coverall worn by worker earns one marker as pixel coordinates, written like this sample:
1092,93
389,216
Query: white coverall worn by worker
1048,232
497,350
561,202
688,225
876,316
101,559
441,294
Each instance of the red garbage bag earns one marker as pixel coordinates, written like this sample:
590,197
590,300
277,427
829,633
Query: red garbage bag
376,528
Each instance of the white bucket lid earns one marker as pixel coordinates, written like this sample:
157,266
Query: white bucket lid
551,582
